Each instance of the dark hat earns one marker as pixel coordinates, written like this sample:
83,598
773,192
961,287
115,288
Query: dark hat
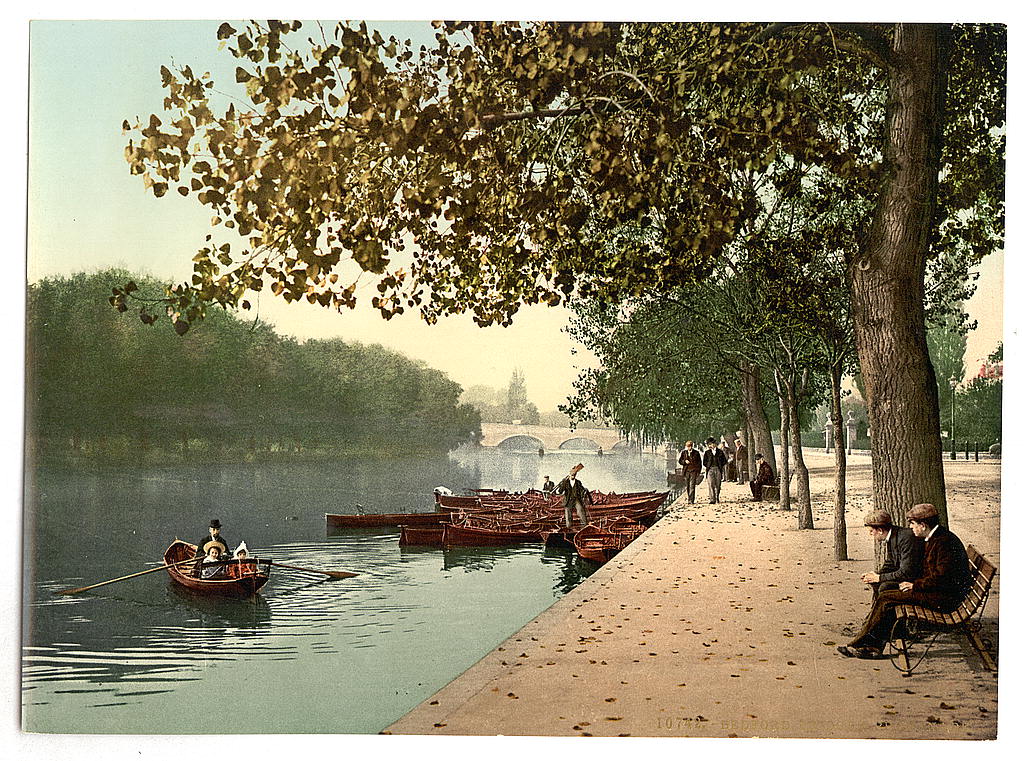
922,512
759,456
878,519
215,523
711,440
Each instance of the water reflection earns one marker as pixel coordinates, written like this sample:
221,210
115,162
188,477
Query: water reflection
136,656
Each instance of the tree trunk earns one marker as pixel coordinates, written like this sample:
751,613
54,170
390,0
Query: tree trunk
760,441
783,472
803,480
839,521
887,279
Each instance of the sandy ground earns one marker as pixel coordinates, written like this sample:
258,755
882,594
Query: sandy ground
722,621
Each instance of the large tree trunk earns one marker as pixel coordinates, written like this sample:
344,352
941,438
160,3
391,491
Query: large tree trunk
783,472
753,407
839,520
803,480
887,279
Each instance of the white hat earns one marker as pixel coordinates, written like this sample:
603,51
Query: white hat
241,548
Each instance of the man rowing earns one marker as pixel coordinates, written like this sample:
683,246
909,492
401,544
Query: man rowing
214,539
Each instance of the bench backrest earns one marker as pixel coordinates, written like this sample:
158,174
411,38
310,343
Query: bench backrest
982,573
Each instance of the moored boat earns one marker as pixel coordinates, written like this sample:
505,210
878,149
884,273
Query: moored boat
240,578
428,536
371,520
601,543
456,535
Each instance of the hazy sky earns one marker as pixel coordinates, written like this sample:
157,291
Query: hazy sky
86,212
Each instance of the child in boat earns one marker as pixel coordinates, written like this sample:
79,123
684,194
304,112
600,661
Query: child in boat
212,567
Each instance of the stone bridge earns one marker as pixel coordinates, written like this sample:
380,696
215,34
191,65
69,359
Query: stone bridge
529,438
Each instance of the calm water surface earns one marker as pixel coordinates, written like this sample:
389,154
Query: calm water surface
346,656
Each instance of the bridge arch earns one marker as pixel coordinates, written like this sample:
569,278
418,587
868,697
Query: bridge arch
624,444
521,442
580,444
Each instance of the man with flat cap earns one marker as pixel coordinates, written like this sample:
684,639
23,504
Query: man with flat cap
902,553
944,582
714,467
576,496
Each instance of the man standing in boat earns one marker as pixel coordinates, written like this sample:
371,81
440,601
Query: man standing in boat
576,496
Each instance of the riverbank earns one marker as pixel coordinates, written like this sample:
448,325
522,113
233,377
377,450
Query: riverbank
722,621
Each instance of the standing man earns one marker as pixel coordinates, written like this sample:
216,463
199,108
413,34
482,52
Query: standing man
576,496
730,463
742,467
691,462
903,554
944,582
548,487
765,477
714,464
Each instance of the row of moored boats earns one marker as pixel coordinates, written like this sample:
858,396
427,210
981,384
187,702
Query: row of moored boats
494,517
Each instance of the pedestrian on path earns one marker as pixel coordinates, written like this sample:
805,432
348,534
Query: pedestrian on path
714,464
691,462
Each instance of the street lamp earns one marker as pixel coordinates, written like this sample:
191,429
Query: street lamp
952,417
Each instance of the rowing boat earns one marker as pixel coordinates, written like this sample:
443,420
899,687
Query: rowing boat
601,543
479,536
428,536
387,519
240,578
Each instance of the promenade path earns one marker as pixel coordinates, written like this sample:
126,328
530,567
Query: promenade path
722,621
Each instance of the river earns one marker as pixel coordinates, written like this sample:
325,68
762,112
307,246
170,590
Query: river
337,656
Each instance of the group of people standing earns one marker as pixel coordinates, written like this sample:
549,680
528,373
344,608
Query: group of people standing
721,462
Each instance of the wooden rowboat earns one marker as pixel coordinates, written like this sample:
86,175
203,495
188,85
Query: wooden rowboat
601,543
427,536
387,519
241,578
478,536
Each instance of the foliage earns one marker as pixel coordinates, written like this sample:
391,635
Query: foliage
979,408
94,375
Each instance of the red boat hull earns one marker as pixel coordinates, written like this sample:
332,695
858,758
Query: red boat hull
387,519
246,577
427,536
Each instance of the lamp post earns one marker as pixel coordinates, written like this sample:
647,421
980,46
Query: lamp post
952,418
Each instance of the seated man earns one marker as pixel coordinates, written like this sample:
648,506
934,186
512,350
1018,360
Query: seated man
903,553
944,582
213,539
765,477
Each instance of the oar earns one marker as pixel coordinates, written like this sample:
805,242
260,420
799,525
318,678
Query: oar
332,574
121,578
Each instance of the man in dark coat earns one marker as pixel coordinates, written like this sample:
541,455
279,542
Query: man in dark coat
765,477
576,496
903,553
691,462
714,466
742,467
944,582
214,537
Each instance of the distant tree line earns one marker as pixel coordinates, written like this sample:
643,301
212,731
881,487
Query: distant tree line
100,382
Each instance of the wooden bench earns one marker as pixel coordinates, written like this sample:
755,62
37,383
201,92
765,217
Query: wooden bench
919,625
